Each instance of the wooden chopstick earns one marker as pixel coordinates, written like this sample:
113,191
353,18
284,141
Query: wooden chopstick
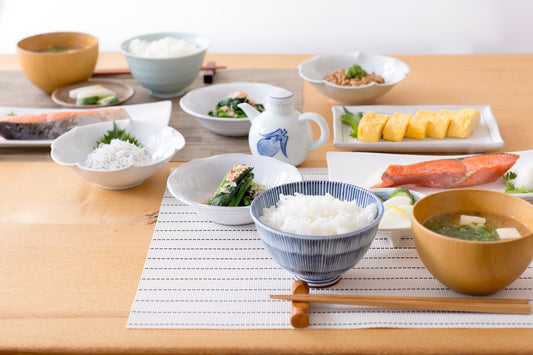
122,71
476,305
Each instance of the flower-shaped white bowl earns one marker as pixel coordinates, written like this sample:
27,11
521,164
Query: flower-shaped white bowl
195,182
391,69
394,235
72,148
199,102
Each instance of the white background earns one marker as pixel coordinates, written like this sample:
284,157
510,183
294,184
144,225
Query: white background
287,26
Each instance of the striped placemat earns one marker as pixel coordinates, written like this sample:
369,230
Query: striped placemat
201,275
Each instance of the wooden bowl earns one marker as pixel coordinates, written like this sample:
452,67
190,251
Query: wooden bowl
473,267
49,70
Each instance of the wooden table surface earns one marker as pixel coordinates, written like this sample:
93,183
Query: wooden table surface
71,254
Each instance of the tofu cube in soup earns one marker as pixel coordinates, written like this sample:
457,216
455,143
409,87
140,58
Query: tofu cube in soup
471,220
508,233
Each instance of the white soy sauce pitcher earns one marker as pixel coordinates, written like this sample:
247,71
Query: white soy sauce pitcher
282,132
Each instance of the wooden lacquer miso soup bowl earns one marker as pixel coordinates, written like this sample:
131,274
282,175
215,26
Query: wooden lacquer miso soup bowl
467,266
52,60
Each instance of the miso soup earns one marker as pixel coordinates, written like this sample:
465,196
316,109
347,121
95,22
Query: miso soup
448,224
59,49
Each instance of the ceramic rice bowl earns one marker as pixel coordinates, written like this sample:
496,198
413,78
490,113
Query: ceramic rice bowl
318,260
166,77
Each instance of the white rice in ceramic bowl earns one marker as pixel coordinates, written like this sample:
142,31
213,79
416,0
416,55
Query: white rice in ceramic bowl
317,215
331,226
167,47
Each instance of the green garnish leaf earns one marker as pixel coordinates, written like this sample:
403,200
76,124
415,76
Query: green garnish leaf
355,71
351,119
509,185
116,133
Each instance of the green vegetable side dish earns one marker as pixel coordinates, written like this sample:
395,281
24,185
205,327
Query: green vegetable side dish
510,188
477,232
116,133
351,119
237,188
355,71
228,108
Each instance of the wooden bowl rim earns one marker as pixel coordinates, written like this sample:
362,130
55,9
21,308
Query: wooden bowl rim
92,39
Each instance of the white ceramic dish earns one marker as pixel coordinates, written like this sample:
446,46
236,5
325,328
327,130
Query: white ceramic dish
391,69
195,182
72,148
486,136
157,112
346,167
394,235
200,101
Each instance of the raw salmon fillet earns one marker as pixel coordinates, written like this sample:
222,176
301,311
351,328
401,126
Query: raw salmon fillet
449,173
52,125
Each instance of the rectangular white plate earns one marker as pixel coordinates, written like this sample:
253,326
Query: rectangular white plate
156,112
365,169
486,136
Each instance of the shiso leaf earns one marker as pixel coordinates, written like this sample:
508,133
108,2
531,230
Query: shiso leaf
116,133
351,119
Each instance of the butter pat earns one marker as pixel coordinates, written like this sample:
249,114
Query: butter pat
464,123
418,124
396,127
438,125
371,127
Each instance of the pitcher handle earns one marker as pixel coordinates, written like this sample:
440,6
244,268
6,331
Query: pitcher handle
324,128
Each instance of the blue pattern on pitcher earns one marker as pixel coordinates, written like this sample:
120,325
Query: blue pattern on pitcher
273,142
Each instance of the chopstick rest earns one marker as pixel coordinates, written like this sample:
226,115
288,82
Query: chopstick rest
209,74
476,305
300,310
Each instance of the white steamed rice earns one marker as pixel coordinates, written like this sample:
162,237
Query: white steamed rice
167,47
317,215
116,155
